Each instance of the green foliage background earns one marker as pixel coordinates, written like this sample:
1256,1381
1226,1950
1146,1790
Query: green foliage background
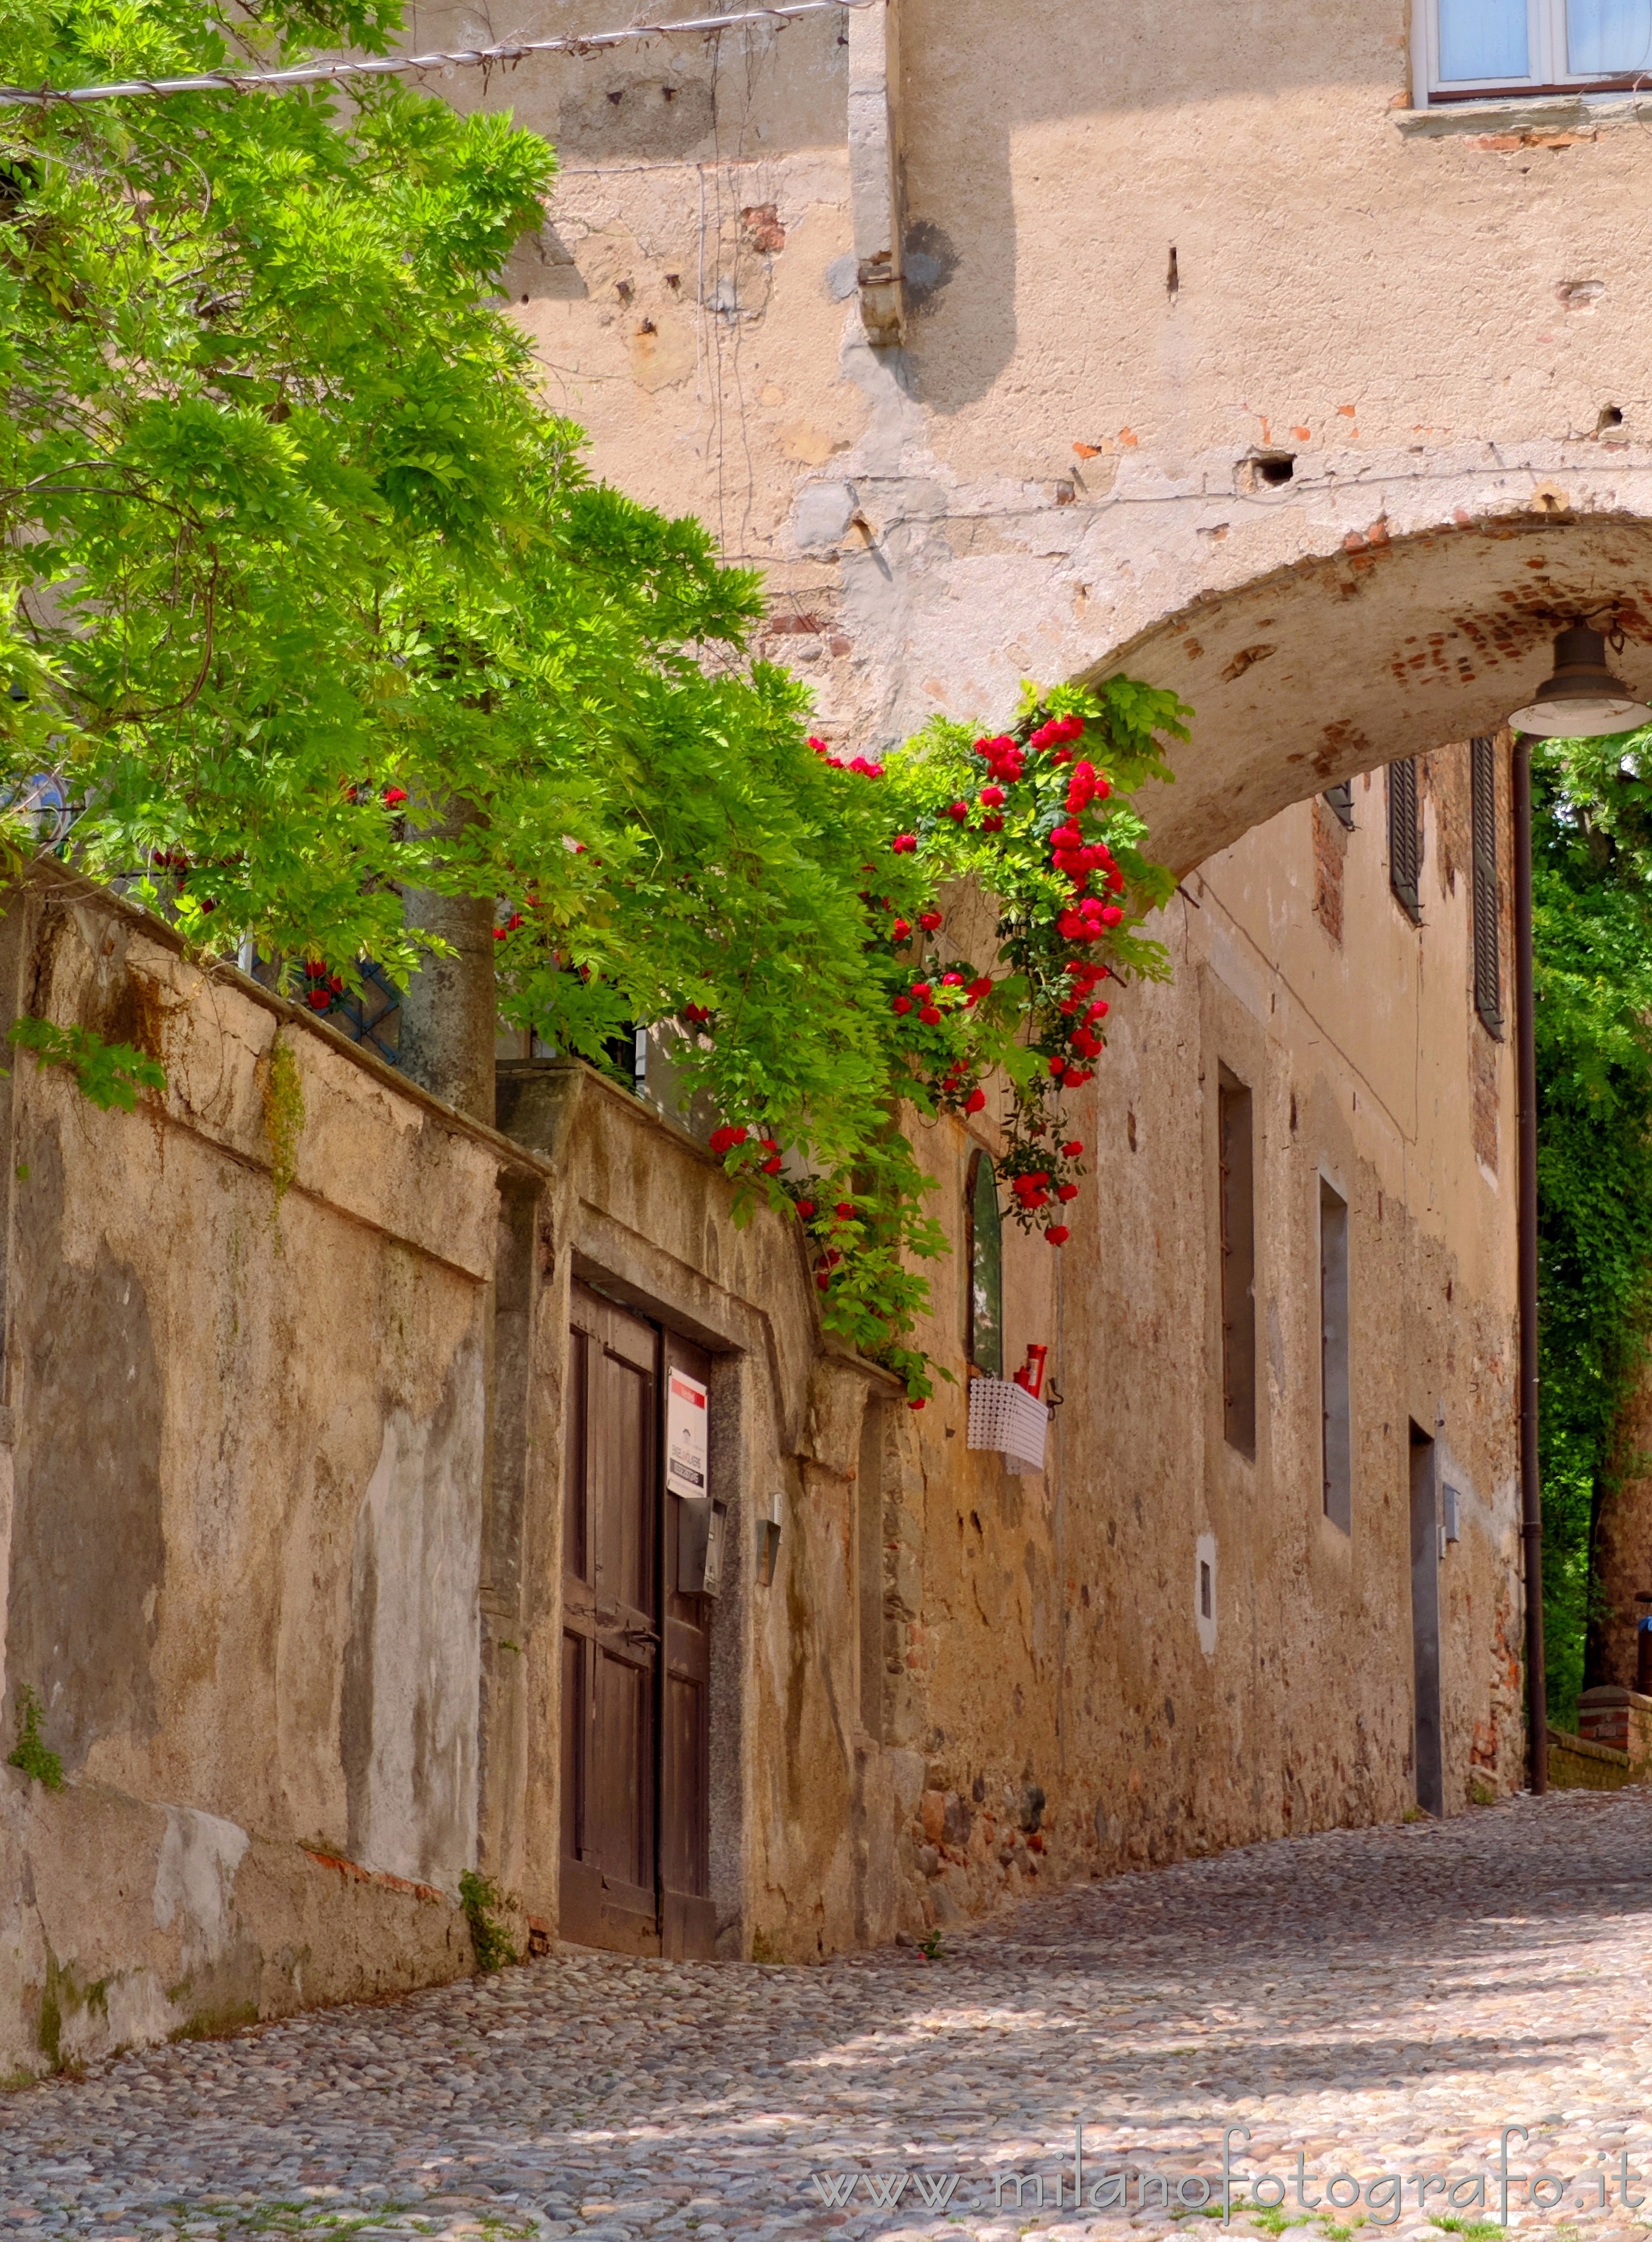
306,599
1592,932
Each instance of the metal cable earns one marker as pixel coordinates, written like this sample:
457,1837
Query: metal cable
509,50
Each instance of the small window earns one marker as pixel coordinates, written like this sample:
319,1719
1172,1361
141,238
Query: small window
983,1338
1489,993
1475,47
1235,1188
1405,838
1204,1611
1339,801
1336,1437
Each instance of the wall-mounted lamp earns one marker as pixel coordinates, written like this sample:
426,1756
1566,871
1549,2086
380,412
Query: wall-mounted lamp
1583,700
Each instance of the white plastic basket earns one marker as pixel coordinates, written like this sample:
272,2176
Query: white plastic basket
1004,1416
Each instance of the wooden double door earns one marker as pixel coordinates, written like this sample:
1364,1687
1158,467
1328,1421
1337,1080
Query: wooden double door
635,1654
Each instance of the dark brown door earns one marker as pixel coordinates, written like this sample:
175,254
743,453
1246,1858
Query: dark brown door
634,1724
688,1921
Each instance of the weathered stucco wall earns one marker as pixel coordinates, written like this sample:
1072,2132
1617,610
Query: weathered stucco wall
280,1478
285,1517
1045,1654
245,1341
1427,321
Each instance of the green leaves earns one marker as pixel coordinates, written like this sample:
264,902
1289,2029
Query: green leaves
1592,924
306,599
108,1074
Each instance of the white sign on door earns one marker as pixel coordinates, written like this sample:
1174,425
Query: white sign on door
685,1435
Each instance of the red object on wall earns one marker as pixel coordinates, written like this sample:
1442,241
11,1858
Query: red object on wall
1031,1374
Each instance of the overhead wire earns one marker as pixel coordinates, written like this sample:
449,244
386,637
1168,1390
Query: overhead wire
507,51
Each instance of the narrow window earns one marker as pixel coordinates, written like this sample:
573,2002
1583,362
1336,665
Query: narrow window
1405,837
1235,1188
1336,1440
984,1337
1488,995
1204,1588
1339,801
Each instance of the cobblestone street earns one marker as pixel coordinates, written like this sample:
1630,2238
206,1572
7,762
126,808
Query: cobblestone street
1373,2002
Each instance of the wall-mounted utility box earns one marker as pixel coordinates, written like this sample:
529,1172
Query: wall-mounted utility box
702,1532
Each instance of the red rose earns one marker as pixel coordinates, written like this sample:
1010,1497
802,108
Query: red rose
819,746
918,1404
1066,1190
806,1207
902,1006
900,931
975,1101
1071,1151
318,1000
951,980
921,991
931,921
992,798
1057,1064
957,811
823,1281
772,1167
929,1016
499,933
905,844
993,824
1099,1009
1111,914
845,1209
1058,1233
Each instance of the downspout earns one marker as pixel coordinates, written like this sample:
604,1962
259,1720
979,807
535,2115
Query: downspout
1531,1509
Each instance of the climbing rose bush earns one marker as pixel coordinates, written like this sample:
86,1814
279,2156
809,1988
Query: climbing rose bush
1040,819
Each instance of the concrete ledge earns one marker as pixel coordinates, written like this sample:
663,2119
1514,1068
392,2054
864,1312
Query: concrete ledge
122,1923
1541,115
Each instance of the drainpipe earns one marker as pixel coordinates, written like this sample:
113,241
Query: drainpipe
1531,1509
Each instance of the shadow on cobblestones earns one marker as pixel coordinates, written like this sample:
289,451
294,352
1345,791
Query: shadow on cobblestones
1371,2000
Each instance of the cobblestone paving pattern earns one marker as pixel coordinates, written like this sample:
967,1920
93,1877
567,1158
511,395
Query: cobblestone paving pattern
1373,2001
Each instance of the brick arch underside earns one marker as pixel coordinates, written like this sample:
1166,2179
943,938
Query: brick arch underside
1336,664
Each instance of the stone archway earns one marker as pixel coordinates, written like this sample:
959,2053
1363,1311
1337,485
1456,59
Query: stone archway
1388,647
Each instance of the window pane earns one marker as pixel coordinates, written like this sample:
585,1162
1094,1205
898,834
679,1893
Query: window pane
1606,37
1485,38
